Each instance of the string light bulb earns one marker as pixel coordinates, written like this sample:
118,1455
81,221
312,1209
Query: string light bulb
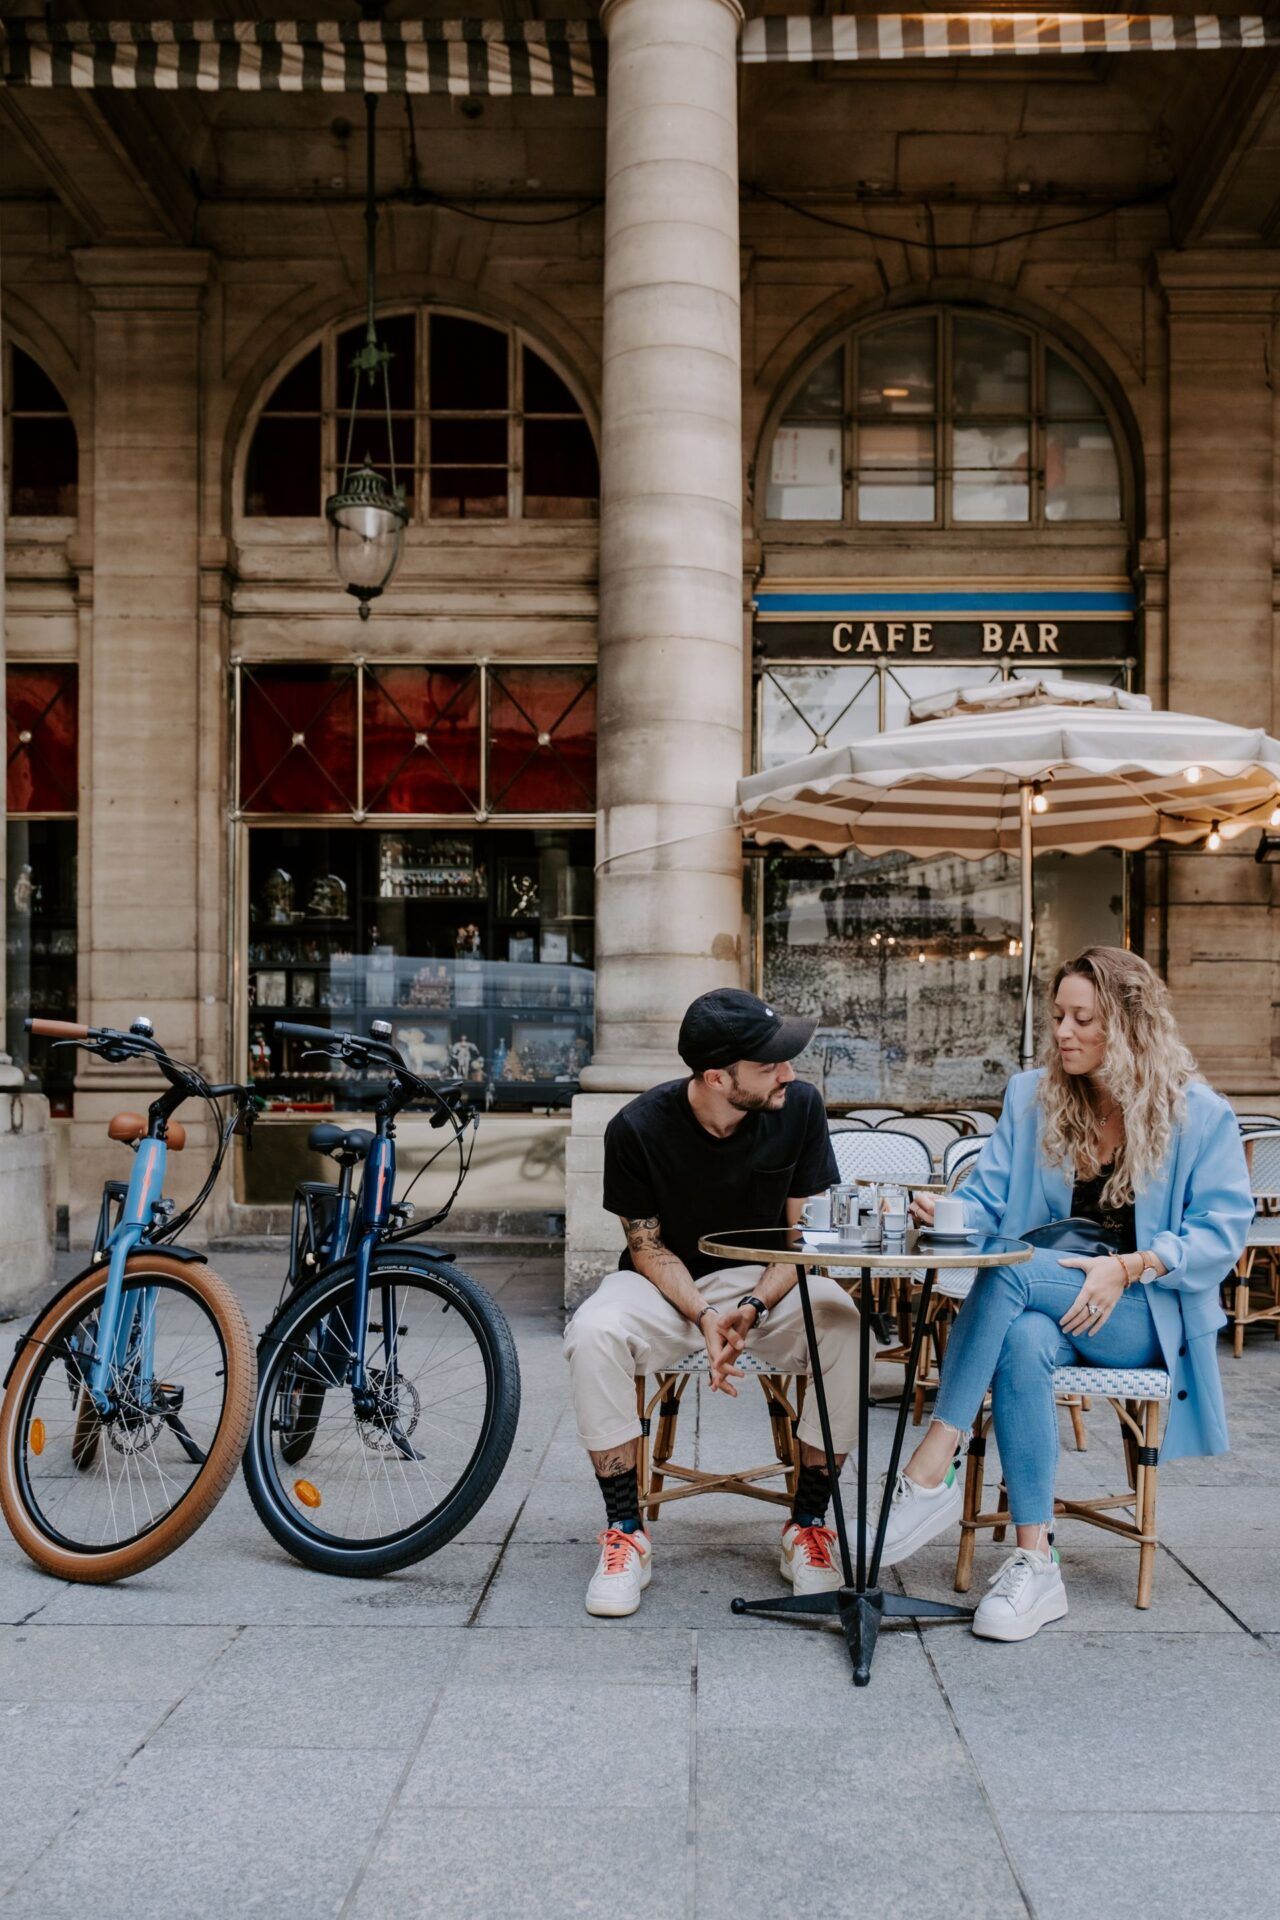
1274,821
1039,799
1193,776
1214,840
920,958
973,953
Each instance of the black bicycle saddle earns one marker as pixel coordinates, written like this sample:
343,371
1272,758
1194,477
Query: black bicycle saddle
346,1145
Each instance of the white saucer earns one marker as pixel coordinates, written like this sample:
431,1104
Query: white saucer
957,1234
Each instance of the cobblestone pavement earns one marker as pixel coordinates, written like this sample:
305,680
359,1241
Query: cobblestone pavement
229,1734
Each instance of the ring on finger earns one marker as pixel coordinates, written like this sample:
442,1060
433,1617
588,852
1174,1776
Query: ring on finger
1093,1308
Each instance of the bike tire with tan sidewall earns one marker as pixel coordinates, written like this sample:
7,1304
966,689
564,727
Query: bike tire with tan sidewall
222,1460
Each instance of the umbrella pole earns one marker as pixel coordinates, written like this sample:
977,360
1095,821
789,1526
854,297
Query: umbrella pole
1026,877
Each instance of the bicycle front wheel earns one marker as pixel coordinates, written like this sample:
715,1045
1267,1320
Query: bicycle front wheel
365,1483
96,1492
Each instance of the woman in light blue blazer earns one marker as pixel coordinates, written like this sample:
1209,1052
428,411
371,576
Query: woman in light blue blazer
1116,1129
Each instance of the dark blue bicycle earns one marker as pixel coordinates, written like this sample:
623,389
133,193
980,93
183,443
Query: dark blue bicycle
389,1387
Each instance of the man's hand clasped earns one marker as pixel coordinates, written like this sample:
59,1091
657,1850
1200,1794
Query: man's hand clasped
725,1335
1105,1280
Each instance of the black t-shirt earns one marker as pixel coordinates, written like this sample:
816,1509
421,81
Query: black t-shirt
660,1160
1086,1204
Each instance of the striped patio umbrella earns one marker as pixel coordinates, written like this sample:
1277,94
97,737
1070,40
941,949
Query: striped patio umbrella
1025,765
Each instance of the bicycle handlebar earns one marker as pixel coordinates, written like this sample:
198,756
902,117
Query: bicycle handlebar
57,1029
321,1036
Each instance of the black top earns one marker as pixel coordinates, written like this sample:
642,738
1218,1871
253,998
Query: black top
1086,1204
660,1160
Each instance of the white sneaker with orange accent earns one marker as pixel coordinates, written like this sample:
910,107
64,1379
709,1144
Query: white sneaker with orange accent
809,1558
623,1571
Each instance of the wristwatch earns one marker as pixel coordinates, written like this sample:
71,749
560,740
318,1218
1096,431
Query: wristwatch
751,1300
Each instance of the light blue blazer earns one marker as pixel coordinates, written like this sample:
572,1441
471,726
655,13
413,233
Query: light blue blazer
1194,1214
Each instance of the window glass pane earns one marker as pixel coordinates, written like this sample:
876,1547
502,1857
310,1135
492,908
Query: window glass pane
542,739
298,740
805,473
808,708
369,442
42,746
822,395
992,372
40,976
470,443
468,493
1081,474
43,473
299,391
397,335
895,473
991,473
1068,393
544,390
468,365
561,473
905,684
33,390
282,473
421,739
897,368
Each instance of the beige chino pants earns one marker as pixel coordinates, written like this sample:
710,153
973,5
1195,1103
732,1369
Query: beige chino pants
627,1328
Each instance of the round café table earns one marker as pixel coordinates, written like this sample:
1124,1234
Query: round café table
860,1602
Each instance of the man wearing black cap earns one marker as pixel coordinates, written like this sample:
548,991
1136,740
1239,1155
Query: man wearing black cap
741,1143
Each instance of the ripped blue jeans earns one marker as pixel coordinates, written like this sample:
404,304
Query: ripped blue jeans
1007,1337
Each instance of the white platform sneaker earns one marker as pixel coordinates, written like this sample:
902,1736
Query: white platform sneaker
918,1514
623,1571
809,1558
1024,1596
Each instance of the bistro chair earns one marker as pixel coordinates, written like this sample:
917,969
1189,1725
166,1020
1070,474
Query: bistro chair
1258,1122
1253,1292
955,1117
846,1123
872,1116
784,1398
1137,1395
935,1132
874,1153
958,1158
980,1122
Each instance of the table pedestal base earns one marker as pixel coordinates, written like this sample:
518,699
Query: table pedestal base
861,1616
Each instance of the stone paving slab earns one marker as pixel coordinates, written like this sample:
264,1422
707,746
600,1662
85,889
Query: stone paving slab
462,1740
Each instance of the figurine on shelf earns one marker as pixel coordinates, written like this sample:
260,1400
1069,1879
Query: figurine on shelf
515,1068
277,897
328,898
26,891
259,1056
500,1060
466,940
464,1056
577,1054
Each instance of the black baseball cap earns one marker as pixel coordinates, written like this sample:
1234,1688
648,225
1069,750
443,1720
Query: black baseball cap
728,1025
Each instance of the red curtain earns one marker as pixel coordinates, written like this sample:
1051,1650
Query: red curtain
298,740
43,739
421,739
542,739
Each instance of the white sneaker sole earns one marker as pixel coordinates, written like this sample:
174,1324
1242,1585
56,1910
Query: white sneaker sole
928,1528
612,1609
1052,1607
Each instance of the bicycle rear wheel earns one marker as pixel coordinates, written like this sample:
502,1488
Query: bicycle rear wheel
97,1494
383,1484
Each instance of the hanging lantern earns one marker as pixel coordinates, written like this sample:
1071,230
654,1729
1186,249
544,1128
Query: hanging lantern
367,515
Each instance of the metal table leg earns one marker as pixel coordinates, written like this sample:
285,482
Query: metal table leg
861,1604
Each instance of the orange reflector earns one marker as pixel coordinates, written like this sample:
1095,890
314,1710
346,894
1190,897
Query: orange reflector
309,1495
36,1436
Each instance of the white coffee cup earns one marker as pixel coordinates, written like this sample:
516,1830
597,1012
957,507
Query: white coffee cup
948,1214
817,1211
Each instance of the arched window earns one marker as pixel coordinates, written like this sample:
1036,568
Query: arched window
482,427
946,418
41,459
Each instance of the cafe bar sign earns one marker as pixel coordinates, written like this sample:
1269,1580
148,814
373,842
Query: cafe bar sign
1039,621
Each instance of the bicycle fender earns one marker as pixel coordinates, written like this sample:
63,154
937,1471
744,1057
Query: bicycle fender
425,1257
189,1254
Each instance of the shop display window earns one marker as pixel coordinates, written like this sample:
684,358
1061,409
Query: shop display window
542,739
298,740
40,907
477,945
421,739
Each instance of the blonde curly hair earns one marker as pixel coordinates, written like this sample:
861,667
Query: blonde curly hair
1146,1069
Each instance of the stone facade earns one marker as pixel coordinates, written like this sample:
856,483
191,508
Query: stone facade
1126,206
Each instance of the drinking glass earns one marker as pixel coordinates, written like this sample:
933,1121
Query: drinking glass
844,1210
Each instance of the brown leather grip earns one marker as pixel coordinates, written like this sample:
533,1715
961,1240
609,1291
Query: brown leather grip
60,1029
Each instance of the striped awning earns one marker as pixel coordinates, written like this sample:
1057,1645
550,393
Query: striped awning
1113,773
953,36
561,57
554,57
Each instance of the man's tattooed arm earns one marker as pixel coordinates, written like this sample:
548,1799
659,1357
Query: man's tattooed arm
662,1268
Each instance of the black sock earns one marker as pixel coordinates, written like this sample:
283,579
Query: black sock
621,1499
813,1495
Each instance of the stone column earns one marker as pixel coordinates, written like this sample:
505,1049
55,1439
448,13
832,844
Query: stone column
669,889
140,703
26,1143
1222,634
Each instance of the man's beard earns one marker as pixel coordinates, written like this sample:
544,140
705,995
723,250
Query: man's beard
744,1102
